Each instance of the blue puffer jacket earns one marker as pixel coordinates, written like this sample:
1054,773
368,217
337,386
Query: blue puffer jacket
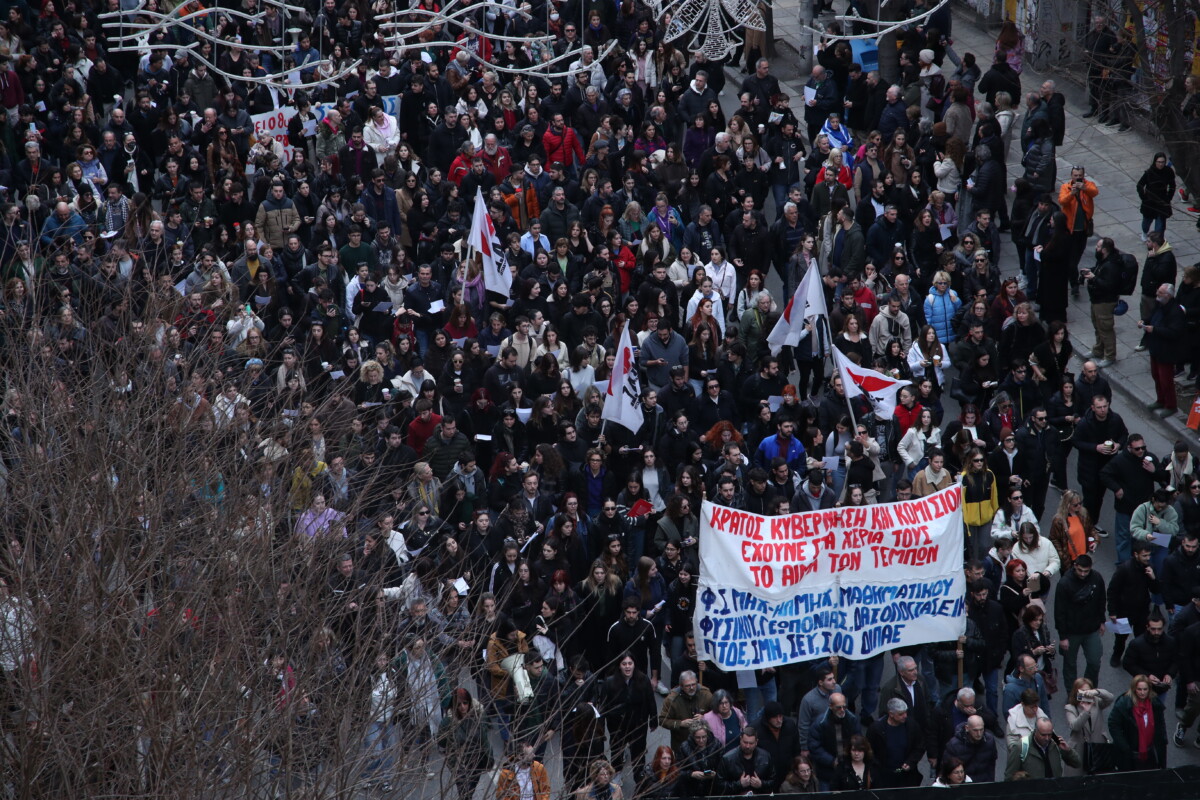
940,308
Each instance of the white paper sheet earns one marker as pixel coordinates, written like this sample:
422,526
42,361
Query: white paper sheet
1120,625
810,93
436,306
775,401
337,375
523,414
483,437
945,232
1037,255
1161,539
831,463
602,387
310,127
383,307
493,350
746,679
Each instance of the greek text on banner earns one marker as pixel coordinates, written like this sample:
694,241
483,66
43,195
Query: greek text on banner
851,582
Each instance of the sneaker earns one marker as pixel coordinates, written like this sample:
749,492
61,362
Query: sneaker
1178,737
1114,661
1179,713
1075,292
1124,127
1139,348
1164,412
1155,406
1142,236
1090,114
661,689
1103,534
1104,362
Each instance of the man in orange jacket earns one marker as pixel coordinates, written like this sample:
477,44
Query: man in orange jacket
523,769
1077,197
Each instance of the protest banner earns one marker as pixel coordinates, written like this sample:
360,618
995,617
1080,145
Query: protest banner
850,582
274,124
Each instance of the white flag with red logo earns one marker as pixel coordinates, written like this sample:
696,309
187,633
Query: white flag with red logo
808,303
497,277
623,403
880,388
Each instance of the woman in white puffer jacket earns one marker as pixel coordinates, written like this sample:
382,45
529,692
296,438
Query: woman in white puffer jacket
916,442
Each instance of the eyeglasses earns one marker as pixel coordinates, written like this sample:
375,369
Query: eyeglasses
1016,497
1039,419
976,460
422,513
610,508
1137,449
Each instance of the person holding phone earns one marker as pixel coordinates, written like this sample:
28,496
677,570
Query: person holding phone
1041,754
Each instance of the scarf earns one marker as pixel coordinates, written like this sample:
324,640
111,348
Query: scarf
1143,718
935,478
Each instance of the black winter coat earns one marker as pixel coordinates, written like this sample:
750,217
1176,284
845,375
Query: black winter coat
1129,594
1090,432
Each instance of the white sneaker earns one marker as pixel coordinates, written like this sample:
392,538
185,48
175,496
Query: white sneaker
661,689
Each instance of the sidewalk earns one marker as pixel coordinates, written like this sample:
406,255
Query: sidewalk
1114,161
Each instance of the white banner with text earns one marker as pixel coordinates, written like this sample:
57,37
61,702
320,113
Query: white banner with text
850,582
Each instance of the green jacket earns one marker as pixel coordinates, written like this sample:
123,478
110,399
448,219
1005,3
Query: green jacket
1140,527
753,327
1024,756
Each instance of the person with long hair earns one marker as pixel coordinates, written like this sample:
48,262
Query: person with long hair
1072,531
1054,255
1085,717
917,442
663,777
1032,638
859,772
463,738
1155,188
801,778
1039,555
599,607
1138,727
1015,594
1012,514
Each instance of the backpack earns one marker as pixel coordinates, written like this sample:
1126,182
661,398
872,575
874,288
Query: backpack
1129,274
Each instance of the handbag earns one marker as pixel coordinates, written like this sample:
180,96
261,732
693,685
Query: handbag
1121,308
1050,677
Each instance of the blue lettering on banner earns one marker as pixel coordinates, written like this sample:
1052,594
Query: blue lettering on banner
851,582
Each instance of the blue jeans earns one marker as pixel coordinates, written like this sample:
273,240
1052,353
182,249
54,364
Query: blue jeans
1160,223
863,681
378,741
779,191
1121,537
991,680
422,341
1158,557
757,699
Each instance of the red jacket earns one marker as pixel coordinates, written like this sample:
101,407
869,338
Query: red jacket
459,168
564,147
500,165
419,432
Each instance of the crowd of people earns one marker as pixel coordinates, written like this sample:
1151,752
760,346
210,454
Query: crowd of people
496,556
